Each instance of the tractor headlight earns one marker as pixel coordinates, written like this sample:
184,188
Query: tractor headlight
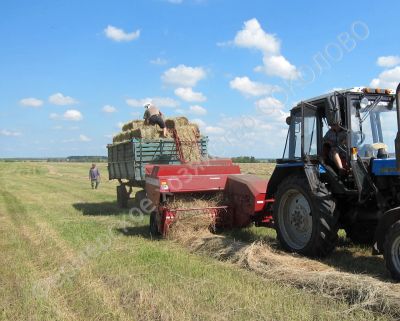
364,102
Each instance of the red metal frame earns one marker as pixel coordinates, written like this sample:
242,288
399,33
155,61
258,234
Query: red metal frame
204,177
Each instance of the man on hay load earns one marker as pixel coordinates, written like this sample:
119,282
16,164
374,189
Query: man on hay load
153,116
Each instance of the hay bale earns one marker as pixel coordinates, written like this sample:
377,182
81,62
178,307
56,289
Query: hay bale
147,132
118,138
173,123
189,135
132,125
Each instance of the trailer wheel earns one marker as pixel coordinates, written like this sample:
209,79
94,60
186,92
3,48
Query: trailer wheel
122,196
139,197
361,233
392,250
153,225
306,222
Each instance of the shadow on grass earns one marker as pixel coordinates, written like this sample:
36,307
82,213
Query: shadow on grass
142,230
100,209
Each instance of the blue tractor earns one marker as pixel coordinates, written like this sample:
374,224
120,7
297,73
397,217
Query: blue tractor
316,194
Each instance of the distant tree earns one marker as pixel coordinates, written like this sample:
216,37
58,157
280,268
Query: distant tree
245,159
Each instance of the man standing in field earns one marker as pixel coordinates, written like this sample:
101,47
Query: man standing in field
94,176
153,116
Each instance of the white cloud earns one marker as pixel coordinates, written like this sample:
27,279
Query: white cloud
9,133
387,79
109,109
84,138
249,87
158,101
159,61
272,108
214,130
180,111
279,66
269,103
199,122
197,110
119,35
61,100
275,64
253,36
187,94
31,102
183,76
71,114
388,61
175,1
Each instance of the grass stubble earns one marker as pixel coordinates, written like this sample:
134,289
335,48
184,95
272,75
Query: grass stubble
98,265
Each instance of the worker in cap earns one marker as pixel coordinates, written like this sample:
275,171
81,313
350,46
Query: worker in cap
153,116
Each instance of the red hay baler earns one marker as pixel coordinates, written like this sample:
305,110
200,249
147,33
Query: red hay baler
244,199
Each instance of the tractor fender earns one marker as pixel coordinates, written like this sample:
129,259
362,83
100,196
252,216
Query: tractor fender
388,219
280,172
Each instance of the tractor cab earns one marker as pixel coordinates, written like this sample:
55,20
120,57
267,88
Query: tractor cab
340,169
366,128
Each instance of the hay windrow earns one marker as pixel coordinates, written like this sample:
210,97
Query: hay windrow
359,291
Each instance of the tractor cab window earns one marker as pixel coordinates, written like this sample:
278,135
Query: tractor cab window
374,126
293,149
310,132
293,144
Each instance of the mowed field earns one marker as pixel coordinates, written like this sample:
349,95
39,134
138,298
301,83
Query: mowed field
69,253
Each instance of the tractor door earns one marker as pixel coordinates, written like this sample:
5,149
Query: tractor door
311,132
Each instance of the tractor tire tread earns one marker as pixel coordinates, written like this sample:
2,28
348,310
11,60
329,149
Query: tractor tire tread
324,238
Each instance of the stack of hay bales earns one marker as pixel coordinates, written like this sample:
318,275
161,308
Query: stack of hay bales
187,132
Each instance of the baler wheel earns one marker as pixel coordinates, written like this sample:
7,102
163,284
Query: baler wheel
392,250
306,222
139,197
122,196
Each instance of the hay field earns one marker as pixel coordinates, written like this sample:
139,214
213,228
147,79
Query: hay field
68,253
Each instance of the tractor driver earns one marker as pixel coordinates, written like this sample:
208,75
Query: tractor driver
335,138
153,116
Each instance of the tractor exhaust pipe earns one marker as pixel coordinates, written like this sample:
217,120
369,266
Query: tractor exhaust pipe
397,140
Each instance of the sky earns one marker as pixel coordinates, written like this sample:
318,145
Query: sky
71,72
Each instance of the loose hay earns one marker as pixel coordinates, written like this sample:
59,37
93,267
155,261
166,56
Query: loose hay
192,221
358,290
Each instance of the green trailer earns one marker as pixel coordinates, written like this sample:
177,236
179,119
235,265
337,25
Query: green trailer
127,161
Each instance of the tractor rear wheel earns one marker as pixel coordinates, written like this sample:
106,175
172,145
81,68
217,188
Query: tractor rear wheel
153,225
306,222
122,196
392,250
